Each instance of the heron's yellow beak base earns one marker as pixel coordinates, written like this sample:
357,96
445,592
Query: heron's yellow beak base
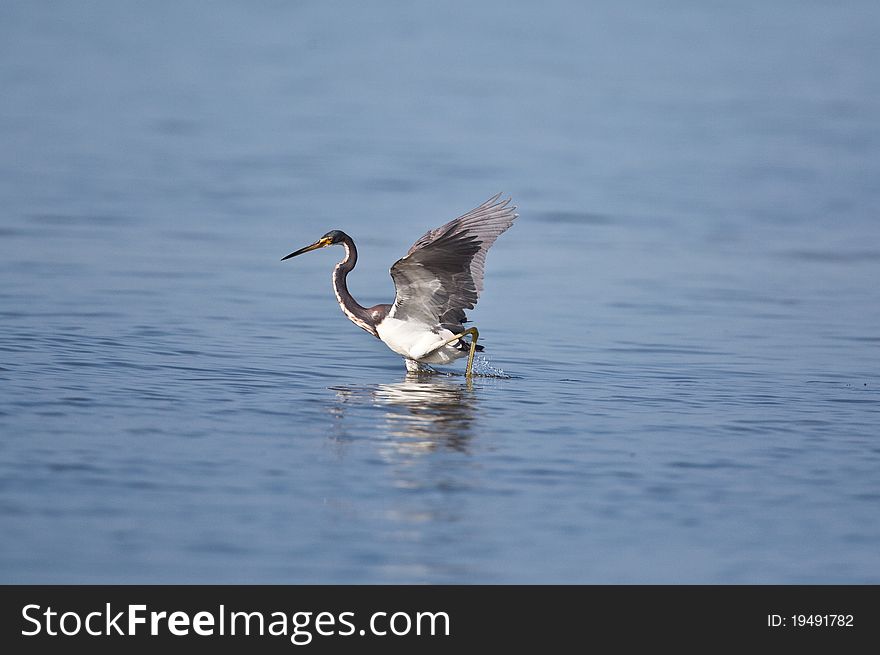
323,242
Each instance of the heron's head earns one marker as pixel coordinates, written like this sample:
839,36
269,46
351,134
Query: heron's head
332,237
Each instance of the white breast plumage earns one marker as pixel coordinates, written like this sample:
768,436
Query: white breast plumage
417,341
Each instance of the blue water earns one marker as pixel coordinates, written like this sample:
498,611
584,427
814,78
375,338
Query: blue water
687,308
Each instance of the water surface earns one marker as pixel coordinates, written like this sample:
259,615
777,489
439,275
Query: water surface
687,309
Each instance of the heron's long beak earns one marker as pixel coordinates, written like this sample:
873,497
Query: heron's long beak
320,243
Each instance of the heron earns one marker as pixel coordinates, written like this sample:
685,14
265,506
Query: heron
435,282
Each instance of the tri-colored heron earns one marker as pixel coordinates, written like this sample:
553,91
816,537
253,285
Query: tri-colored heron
439,278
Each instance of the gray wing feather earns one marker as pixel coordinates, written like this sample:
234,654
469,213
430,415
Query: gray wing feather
442,274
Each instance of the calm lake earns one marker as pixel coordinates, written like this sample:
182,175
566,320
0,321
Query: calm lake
682,328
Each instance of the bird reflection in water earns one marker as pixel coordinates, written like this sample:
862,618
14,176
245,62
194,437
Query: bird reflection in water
423,413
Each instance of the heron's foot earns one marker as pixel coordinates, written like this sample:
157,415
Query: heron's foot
412,366
474,334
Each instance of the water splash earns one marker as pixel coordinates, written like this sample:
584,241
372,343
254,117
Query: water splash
483,368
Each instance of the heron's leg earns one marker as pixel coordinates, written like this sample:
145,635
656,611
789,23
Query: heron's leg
475,334
412,366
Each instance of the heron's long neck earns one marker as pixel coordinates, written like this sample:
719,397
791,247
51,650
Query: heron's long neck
350,307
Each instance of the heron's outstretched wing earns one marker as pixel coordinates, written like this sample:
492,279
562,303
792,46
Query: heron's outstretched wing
442,274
